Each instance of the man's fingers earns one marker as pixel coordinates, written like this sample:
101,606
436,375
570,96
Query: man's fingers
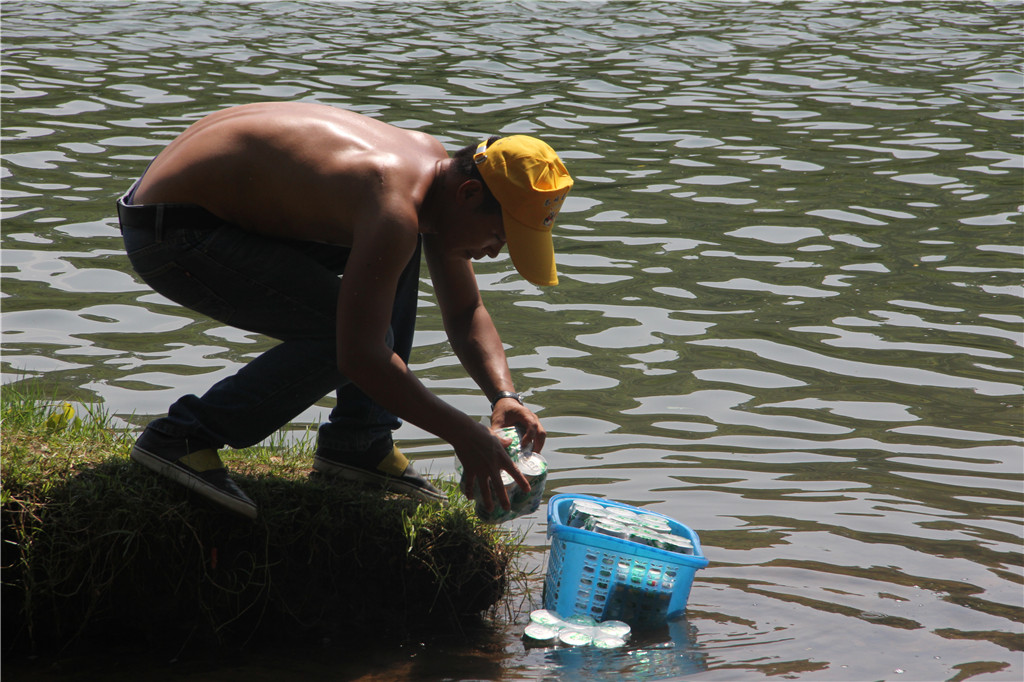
506,504
518,477
538,441
485,494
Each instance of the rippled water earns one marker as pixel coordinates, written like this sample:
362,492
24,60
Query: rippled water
791,303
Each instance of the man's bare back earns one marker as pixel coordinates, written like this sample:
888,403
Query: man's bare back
294,170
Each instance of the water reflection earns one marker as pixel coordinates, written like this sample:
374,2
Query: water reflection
669,652
790,311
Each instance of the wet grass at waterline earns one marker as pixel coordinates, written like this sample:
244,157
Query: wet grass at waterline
100,551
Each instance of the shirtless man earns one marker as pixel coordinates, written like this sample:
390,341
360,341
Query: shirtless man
250,216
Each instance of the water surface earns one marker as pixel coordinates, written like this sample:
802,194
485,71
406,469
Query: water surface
790,313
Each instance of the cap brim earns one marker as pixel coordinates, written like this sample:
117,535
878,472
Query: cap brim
532,252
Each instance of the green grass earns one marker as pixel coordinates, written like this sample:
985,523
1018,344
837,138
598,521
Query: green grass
98,550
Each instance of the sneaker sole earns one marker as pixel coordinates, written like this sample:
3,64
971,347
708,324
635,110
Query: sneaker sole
192,482
397,485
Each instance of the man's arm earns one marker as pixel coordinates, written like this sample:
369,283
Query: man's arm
476,342
364,315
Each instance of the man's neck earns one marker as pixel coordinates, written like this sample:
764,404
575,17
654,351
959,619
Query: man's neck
433,203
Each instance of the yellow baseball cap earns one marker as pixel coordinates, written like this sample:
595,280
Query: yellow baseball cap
530,182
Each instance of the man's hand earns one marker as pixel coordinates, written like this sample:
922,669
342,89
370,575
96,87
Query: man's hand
511,413
483,458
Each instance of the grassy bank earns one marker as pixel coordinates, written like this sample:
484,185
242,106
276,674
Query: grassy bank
97,550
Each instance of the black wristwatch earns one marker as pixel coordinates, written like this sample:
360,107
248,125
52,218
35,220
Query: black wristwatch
506,394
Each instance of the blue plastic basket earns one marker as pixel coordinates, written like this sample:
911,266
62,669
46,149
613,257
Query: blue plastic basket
609,578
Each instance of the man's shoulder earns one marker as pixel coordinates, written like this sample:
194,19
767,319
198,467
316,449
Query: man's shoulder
410,148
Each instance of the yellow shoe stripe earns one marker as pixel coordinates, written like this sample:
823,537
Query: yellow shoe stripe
394,464
202,460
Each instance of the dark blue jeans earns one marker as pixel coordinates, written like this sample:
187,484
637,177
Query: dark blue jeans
284,289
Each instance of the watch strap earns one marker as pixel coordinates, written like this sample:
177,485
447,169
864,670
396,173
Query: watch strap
506,394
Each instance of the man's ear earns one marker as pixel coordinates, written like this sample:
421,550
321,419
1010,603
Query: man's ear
470,192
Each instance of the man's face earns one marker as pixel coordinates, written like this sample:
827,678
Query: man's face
474,234
488,236
468,231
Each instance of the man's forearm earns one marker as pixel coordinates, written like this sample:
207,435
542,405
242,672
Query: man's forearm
391,384
478,346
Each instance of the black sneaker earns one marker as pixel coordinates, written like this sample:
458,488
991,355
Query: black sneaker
200,470
383,464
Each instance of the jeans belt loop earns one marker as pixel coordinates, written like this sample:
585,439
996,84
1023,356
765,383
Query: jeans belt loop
158,231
